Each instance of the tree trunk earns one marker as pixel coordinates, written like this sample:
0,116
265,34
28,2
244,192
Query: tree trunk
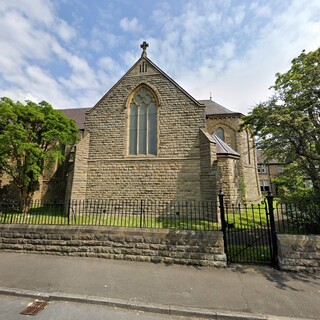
26,199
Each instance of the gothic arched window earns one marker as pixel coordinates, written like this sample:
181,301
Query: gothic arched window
143,123
220,133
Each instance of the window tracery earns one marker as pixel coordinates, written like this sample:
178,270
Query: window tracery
143,123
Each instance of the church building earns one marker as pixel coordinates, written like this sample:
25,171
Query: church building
147,138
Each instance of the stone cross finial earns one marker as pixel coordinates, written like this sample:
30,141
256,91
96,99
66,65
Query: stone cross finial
144,47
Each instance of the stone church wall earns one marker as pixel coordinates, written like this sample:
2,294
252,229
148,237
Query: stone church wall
77,181
249,167
51,186
229,178
208,153
7,188
248,182
173,174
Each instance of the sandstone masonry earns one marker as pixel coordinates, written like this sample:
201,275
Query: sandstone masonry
201,248
186,165
299,252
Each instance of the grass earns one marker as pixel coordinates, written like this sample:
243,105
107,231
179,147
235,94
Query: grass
246,217
51,216
249,253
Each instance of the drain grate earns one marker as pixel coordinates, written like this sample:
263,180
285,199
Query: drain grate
34,308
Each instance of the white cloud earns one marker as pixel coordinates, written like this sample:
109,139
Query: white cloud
263,11
39,11
65,31
101,38
231,48
130,25
235,50
21,38
19,95
29,44
82,76
110,65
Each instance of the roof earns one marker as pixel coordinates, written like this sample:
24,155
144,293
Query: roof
78,114
223,148
212,107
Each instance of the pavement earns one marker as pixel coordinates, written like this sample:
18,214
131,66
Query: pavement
238,292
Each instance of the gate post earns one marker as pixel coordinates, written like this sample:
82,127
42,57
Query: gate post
223,223
274,259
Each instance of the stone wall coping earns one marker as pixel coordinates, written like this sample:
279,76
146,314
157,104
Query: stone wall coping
298,237
160,233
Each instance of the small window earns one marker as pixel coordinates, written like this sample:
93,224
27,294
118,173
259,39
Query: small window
262,168
220,133
280,169
143,123
264,186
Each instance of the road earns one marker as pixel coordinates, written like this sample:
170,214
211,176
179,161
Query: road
10,308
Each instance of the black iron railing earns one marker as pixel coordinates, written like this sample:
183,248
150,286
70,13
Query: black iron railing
184,215
187,215
295,219
247,233
250,231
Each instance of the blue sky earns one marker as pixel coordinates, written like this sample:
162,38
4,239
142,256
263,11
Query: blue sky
70,52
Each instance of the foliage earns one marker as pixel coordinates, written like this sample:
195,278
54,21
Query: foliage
292,187
288,123
300,204
31,139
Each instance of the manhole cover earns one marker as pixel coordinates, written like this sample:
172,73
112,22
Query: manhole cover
34,308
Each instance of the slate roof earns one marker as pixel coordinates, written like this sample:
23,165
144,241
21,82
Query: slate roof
211,108
78,114
223,148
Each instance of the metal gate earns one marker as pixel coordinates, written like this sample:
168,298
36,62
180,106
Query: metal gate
249,232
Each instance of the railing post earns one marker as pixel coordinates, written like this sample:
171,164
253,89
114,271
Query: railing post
141,212
5,213
69,205
223,222
274,259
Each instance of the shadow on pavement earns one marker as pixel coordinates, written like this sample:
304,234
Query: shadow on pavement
281,279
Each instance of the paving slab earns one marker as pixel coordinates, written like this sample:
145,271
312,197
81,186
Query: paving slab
241,289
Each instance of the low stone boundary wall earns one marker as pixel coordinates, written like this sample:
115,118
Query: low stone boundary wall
203,248
299,252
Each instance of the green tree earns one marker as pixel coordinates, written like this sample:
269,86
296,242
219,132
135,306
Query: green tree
31,137
288,123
